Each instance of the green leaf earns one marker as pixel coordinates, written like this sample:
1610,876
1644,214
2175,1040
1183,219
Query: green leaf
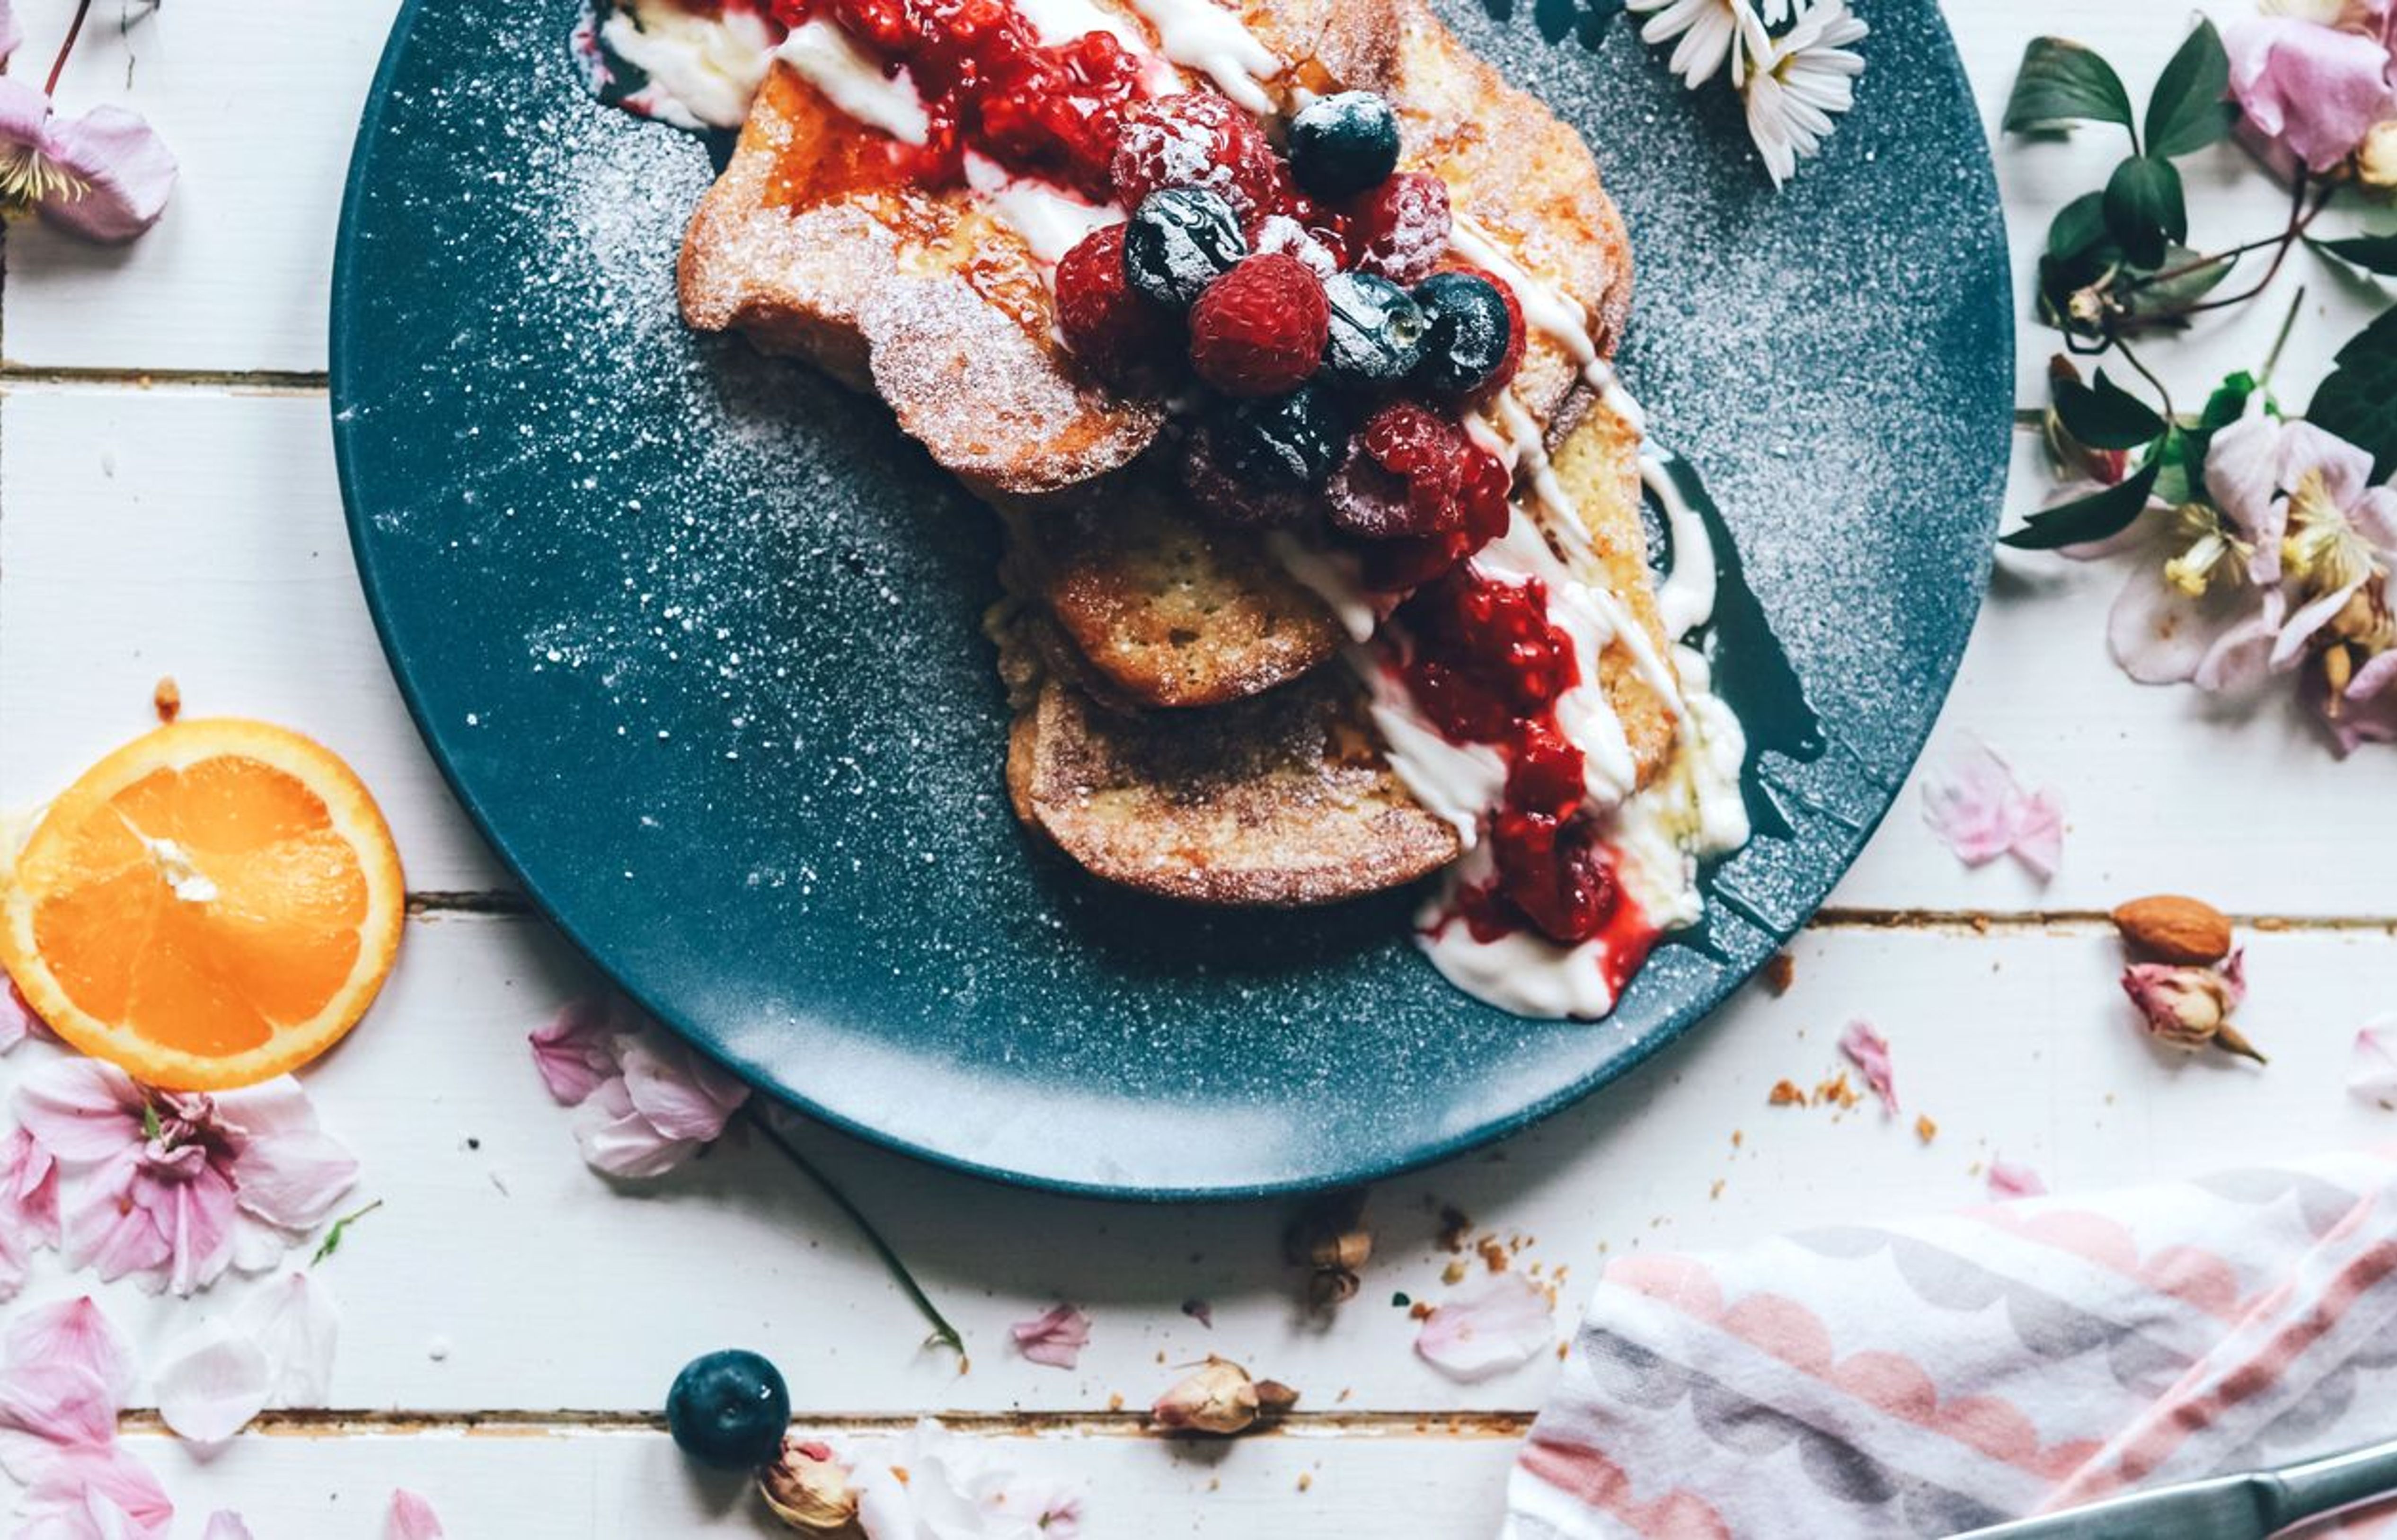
2105,416
2078,228
2091,517
2190,109
2227,404
2144,209
2192,280
2372,253
2062,82
2184,449
2359,401
340,1227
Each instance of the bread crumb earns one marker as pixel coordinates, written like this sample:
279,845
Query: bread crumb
1306,1479
167,699
1494,1256
1785,1094
1780,974
1452,1228
1737,1138
1452,1273
1924,1128
1419,1311
1115,1403
1716,1191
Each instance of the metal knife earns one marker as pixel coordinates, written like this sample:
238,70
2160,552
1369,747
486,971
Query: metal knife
2246,1507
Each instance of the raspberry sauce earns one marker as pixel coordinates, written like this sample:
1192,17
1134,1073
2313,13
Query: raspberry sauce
1049,110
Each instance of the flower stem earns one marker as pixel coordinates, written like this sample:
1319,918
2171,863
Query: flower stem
2288,323
942,1332
58,65
2122,346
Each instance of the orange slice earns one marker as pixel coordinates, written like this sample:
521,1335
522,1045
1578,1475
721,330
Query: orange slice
212,905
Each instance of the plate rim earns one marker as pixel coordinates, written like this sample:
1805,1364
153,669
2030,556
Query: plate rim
1998,296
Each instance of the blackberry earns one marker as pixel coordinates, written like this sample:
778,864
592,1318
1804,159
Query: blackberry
1377,330
1281,441
1343,143
1180,240
1467,332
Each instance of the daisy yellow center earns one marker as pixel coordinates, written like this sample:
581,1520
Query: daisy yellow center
27,178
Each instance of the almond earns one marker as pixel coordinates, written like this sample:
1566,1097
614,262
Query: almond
2172,928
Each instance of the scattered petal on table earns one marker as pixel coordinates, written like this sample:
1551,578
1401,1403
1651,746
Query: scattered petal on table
1490,1325
97,1492
1868,1050
1978,808
2008,1180
225,1524
46,1407
214,1381
576,1050
296,1325
2373,1072
951,1492
1055,1337
29,1208
411,1518
72,1333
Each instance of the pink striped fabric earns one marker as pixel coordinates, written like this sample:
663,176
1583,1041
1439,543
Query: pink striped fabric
1924,1378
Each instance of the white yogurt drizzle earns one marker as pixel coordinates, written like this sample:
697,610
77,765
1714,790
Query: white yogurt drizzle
852,80
1332,576
703,70
1203,36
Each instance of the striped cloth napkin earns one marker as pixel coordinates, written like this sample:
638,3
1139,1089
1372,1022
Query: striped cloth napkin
1923,1378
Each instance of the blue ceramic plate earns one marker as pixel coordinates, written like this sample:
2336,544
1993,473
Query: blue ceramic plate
694,634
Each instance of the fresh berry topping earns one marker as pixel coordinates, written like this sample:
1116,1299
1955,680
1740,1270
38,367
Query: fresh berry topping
1282,232
1517,333
1556,872
1234,498
1179,240
1260,328
1470,332
1399,228
1484,655
1196,140
1343,143
1376,330
1118,333
728,1409
1281,441
1395,566
1411,473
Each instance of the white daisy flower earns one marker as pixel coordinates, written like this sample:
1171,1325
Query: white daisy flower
1710,32
1800,80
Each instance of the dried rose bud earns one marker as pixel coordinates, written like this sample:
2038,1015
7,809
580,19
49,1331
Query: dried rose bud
1218,1396
807,1488
2190,1007
1329,1238
2071,456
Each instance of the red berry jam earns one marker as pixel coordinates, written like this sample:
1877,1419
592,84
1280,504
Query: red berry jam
990,83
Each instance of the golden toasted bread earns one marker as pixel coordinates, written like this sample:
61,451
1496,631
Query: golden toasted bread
1598,466
1282,798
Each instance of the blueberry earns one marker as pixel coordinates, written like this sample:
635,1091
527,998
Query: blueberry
1377,329
728,1409
1282,440
1180,240
1465,331
1343,143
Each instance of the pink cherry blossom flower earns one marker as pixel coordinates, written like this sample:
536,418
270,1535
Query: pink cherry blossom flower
1978,808
2008,1180
2310,90
1494,1324
411,1518
1055,1337
2372,1074
104,175
646,1101
172,1187
1868,1050
29,1207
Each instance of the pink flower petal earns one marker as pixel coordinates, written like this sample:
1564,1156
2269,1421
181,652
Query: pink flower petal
681,1095
224,1524
2372,1072
72,1333
2160,636
214,1381
296,1325
29,1207
1979,811
411,1518
1055,1337
1868,1050
96,1493
2314,88
1492,1324
10,32
126,168
2242,472
48,1407
191,1205
17,1019
82,1111
2369,713
616,1141
2008,1180
576,1049
295,1180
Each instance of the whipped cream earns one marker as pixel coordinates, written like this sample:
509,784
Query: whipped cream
703,70
1211,40
852,80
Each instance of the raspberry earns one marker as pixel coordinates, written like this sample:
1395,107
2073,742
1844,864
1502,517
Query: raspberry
1116,332
1548,772
1399,228
1556,873
1232,498
1395,566
1260,328
1413,474
1194,141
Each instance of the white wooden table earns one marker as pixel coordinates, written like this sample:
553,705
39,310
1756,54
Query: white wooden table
168,507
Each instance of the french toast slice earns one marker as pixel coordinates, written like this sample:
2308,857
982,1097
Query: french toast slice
1286,798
